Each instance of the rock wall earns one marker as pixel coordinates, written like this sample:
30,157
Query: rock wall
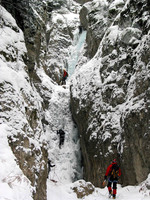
110,103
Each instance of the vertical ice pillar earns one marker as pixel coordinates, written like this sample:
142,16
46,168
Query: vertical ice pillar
79,40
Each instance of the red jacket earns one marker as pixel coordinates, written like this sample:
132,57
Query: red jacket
109,169
65,73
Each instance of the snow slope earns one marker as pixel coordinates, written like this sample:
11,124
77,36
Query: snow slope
58,191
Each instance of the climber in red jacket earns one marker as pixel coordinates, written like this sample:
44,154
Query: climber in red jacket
113,172
65,75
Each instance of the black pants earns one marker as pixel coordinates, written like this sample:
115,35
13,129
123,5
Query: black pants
64,80
114,182
61,141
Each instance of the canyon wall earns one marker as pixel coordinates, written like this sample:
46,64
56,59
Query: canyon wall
110,95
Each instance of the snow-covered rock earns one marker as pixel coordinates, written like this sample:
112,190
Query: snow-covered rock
19,107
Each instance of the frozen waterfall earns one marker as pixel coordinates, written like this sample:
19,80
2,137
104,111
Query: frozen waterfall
75,51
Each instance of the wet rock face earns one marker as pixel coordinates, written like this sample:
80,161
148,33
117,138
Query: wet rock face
112,114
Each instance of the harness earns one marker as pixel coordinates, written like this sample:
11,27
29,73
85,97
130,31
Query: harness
112,181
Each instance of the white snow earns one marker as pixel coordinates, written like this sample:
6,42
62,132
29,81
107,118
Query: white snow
65,192
68,18
116,3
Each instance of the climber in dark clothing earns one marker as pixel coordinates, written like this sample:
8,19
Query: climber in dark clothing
80,29
61,134
49,166
113,172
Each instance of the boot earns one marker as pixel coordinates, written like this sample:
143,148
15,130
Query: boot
110,193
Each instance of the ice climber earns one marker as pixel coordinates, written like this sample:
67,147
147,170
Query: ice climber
113,172
49,166
61,134
65,75
80,29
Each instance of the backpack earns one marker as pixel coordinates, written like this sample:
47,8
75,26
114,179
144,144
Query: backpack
114,171
65,74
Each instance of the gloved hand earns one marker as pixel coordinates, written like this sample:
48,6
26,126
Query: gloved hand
104,183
